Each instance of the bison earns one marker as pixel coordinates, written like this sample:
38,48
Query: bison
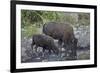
44,41
63,33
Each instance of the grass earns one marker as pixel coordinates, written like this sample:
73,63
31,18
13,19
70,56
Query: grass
28,31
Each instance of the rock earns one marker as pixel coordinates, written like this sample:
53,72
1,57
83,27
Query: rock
82,33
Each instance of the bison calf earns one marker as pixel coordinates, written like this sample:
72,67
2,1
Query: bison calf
44,41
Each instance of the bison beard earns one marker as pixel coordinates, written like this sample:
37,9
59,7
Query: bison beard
64,34
44,41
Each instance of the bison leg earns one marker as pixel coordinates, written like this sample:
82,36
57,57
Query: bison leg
35,48
74,55
50,51
36,51
43,52
34,54
32,46
70,52
66,50
60,43
74,49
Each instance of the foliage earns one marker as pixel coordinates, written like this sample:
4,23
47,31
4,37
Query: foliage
84,18
32,20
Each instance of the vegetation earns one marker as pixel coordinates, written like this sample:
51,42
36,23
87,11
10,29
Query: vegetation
32,20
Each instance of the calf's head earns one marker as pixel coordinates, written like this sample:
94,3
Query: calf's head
55,49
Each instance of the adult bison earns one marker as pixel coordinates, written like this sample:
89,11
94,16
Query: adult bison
64,34
44,41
